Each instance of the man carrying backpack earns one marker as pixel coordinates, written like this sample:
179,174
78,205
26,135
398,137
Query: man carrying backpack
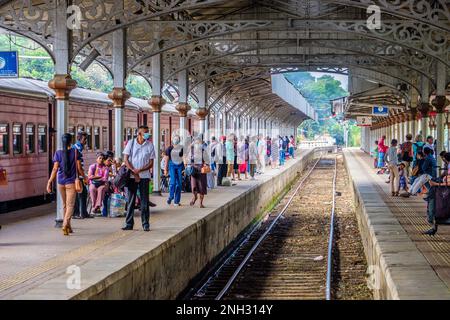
406,154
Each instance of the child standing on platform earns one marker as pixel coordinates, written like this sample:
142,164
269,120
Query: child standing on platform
375,155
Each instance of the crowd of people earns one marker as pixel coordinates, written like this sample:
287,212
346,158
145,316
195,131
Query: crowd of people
188,165
413,169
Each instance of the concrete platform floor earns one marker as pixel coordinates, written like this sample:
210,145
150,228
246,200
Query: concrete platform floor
34,255
411,214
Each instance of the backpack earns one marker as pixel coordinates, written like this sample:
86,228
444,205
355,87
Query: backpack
406,152
123,175
419,148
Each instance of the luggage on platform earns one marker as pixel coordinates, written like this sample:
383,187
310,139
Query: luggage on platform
117,205
442,206
226,182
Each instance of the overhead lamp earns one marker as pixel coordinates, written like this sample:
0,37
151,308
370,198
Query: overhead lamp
89,59
169,95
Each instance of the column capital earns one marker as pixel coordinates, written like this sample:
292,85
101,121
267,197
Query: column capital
413,113
62,84
424,108
202,113
440,102
156,102
119,96
183,108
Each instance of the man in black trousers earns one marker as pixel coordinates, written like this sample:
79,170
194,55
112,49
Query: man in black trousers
222,167
80,210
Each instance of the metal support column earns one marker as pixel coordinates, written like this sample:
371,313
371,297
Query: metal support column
157,103
62,83
119,95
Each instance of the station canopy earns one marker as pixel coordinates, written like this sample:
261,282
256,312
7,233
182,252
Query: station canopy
236,45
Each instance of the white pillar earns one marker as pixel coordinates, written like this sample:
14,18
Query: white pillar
119,95
62,83
157,103
439,103
424,104
183,106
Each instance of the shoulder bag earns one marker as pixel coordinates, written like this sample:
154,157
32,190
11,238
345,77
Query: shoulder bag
78,185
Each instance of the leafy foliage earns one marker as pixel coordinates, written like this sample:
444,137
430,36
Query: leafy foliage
35,62
318,92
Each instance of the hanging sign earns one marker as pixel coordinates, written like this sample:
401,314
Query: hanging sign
363,121
380,111
9,64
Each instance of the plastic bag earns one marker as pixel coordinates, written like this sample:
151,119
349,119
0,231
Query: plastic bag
117,205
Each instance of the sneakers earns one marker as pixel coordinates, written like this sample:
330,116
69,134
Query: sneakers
176,204
169,201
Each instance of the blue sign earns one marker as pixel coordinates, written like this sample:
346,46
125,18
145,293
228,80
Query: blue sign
9,64
380,111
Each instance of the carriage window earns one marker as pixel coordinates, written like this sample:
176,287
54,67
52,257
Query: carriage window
124,134
96,138
129,135
42,138
80,128
71,131
17,138
89,138
105,138
4,138
30,138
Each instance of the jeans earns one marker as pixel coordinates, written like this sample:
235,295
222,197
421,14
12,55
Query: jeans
176,180
291,152
105,210
81,202
380,159
431,202
419,182
132,188
282,157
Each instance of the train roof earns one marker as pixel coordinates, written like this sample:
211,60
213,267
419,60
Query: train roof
40,88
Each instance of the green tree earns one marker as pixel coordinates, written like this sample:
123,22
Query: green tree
318,92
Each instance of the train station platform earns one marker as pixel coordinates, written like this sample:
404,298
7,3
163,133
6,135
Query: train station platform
38,262
406,264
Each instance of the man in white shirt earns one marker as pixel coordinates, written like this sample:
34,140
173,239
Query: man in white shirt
138,157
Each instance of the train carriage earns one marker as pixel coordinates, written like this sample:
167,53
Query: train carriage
27,137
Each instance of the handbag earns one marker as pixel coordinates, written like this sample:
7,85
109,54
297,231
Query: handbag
78,185
206,169
123,174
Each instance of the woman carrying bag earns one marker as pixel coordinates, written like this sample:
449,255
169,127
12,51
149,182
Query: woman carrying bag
66,169
199,182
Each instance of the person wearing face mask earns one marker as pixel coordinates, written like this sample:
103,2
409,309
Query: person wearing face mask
174,167
138,157
199,183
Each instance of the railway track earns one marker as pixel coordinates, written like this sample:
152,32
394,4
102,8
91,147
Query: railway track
292,254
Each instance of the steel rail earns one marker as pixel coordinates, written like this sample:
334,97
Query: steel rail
330,240
264,235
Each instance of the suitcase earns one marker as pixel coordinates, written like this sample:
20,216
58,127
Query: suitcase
226,182
442,205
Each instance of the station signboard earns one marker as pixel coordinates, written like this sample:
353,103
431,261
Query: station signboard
9,64
380,111
363,121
